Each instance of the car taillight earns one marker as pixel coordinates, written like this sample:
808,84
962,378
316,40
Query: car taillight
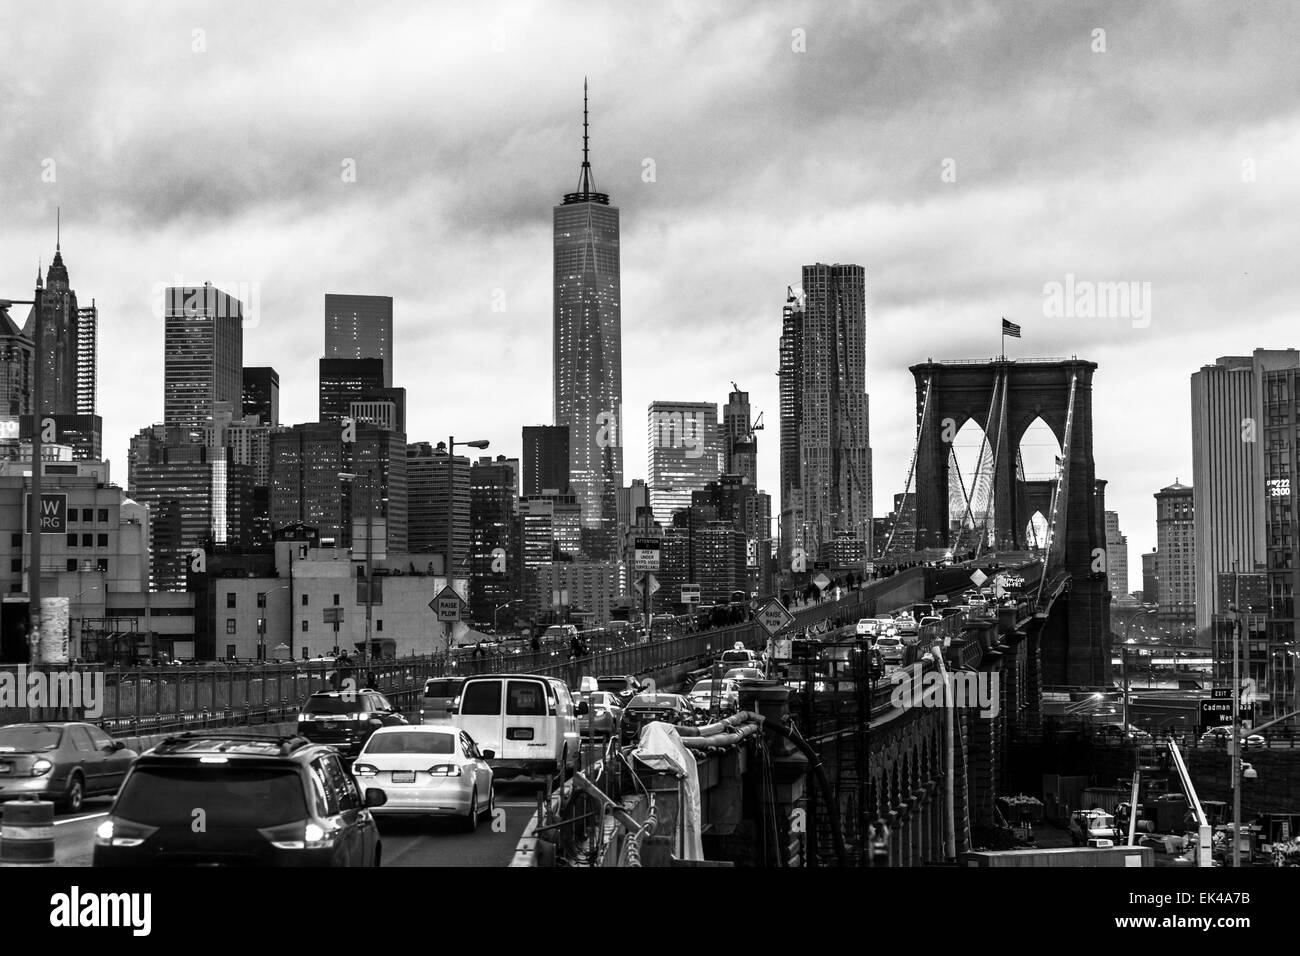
41,767
445,770
296,836
364,770
122,833
302,717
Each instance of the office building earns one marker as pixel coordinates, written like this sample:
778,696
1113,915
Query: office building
261,394
344,381
360,327
308,486
834,435
64,336
590,588
1151,577
1176,545
15,370
546,459
1116,559
740,444
1228,460
587,350
431,508
203,354
493,491
685,454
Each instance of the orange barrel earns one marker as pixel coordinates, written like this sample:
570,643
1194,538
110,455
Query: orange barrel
27,833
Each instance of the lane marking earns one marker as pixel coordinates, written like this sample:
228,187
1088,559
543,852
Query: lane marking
90,816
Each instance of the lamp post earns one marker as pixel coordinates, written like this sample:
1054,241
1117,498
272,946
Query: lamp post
480,443
494,613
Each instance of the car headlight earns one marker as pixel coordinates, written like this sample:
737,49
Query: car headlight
41,767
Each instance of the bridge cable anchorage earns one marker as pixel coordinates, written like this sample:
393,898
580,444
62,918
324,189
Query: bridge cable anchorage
1061,490
911,474
990,509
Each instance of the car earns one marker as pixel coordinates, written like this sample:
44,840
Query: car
890,648
439,694
929,621
742,674
427,770
647,708
604,711
1116,731
866,627
62,761
622,686
1221,736
264,801
345,720
1095,824
722,693
885,625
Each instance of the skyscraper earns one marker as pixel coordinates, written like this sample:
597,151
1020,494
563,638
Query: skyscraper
790,374
1228,460
1176,546
493,491
360,327
685,453
1116,559
65,348
834,435
1150,577
203,354
261,396
741,445
430,509
587,350
546,459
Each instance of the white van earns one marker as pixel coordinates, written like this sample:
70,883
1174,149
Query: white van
528,720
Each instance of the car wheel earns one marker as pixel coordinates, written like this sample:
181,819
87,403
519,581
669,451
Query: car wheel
492,803
471,820
76,794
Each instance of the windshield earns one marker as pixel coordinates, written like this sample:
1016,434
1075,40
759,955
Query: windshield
331,705
611,683
29,739
888,642
411,742
230,796
651,700
441,688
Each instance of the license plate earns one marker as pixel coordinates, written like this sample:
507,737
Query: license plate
403,776
330,724
519,733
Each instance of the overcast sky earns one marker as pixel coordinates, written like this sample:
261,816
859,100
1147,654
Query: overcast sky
207,142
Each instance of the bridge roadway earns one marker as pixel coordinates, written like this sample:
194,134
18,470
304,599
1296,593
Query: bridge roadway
417,843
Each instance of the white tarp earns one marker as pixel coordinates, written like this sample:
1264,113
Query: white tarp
661,748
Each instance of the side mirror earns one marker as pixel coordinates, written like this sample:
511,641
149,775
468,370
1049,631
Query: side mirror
582,708
488,754
375,798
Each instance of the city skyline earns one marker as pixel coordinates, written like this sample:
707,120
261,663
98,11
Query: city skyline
938,255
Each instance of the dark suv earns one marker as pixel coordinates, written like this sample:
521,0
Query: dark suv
210,798
345,720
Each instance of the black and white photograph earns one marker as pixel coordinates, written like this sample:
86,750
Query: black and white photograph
702,435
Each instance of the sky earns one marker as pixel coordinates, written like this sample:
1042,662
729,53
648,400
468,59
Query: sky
968,155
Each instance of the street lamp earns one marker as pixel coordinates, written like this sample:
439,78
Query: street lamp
497,608
480,443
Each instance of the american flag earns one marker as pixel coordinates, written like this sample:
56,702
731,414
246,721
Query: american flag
1010,328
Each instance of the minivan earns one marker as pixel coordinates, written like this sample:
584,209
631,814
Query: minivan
439,694
529,721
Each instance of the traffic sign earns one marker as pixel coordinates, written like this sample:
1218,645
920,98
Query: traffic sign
774,616
1221,693
979,577
646,579
646,554
1216,713
690,594
822,582
333,615
447,604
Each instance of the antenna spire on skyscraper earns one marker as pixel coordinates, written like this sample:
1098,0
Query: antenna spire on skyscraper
587,181
58,227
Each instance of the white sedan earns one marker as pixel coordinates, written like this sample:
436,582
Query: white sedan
427,770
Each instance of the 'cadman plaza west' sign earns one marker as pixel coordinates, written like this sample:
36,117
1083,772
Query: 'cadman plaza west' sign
54,513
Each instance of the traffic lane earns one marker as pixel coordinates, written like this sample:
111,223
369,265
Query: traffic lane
428,841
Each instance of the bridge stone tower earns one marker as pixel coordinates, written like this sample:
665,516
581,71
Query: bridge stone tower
1004,397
